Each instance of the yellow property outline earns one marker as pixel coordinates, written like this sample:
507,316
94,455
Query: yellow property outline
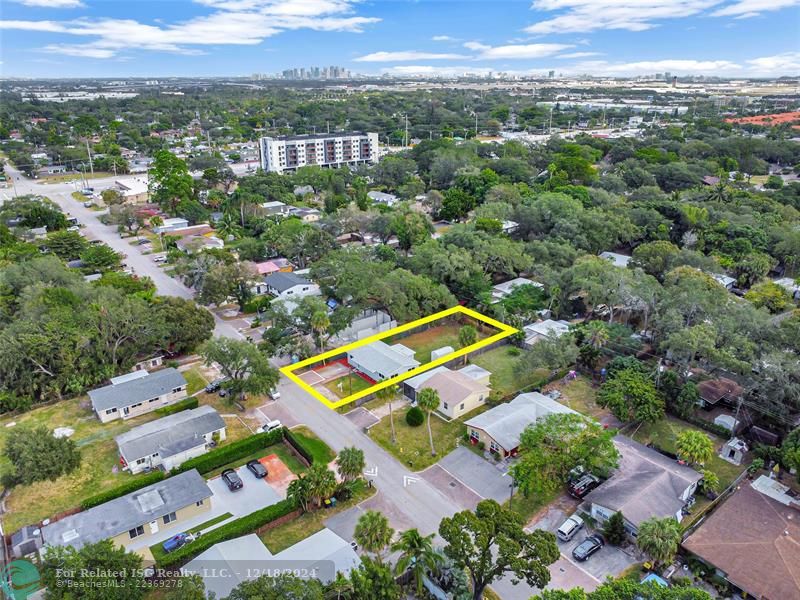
289,370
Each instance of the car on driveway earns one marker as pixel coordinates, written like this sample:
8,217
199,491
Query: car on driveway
270,426
587,547
257,469
232,480
215,385
569,528
582,486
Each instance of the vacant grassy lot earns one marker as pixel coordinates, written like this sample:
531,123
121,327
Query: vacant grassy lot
290,533
413,447
663,434
528,507
580,395
349,384
320,451
507,375
74,177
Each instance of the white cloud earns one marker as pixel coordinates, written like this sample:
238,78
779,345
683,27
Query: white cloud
745,9
436,71
444,38
768,66
406,56
521,51
633,15
787,63
476,46
579,55
237,22
52,3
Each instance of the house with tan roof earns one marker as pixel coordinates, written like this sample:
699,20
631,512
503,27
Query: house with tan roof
646,484
459,393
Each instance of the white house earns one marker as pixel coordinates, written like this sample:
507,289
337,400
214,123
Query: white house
383,198
275,208
380,361
725,281
290,286
790,285
544,329
171,224
501,290
137,393
619,260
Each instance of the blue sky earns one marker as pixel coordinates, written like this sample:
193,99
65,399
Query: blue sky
119,38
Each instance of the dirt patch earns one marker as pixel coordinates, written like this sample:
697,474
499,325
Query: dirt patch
278,474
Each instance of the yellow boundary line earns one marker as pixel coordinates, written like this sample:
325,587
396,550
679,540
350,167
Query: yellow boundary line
289,370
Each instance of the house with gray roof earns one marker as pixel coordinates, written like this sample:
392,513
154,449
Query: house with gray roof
143,513
646,484
499,428
170,441
137,393
289,286
380,361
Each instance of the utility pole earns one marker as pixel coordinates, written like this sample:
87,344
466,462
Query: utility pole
328,125
405,138
476,120
550,126
89,152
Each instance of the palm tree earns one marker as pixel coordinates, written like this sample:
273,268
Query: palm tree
156,221
299,491
428,400
319,324
416,555
598,334
228,227
388,394
373,533
350,463
321,482
694,446
659,538
467,336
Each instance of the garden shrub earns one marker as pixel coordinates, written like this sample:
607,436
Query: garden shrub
415,417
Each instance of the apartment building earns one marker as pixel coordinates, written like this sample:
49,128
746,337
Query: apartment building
288,153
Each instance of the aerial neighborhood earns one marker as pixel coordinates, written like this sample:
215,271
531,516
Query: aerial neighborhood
498,334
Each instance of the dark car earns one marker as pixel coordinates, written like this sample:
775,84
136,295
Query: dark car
587,547
215,385
582,486
232,480
175,542
257,469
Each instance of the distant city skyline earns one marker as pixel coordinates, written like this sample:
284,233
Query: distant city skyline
89,38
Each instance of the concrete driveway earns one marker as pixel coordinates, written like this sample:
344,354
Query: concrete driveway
478,474
362,417
254,495
274,410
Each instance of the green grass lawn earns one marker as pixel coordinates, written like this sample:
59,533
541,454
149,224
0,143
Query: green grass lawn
282,452
290,533
504,365
579,395
194,380
74,177
528,507
423,342
347,385
663,434
413,447
320,451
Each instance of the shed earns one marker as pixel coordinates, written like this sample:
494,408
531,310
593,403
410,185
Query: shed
440,352
733,451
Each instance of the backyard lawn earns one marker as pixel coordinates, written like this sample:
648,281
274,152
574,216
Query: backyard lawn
347,385
194,380
413,447
424,342
504,365
294,531
663,433
579,395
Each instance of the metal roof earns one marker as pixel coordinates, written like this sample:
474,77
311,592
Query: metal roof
379,357
284,281
127,512
142,389
168,435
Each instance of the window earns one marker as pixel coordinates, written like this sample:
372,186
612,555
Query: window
136,531
177,389
199,503
152,399
474,435
111,411
169,518
461,407
137,405
494,447
140,461
444,405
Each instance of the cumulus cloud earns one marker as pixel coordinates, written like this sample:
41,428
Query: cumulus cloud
238,22
578,54
674,66
52,3
436,71
444,38
745,9
577,16
406,56
521,51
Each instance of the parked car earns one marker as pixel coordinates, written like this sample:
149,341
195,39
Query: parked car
223,393
580,487
569,528
274,394
176,541
215,385
232,480
271,426
587,547
257,469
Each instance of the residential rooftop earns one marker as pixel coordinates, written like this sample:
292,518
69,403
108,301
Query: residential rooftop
284,281
136,390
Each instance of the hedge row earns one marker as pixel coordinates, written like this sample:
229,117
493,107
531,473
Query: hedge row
231,452
138,482
305,447
177,407
718,430
237,528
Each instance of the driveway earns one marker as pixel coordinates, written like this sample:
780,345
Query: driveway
274,410
452,487
254,495
362,417
478,474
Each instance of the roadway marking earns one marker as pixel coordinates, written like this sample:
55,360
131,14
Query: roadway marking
373,472
407,481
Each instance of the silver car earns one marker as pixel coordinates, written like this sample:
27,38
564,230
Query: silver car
569,528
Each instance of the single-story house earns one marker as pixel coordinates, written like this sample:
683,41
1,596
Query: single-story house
547,329
725,281
379,361
412,385
197,243
713,391
307,215
149,363
137,393
790,285
275,208
170,441
276,265
510,227
290,285
619,260
165,504
646,484
171,224
501,290
500,427
459,391
133,190
752,539
323,554
383,198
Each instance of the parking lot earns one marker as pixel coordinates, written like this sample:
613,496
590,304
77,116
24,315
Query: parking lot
478,475
254,495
